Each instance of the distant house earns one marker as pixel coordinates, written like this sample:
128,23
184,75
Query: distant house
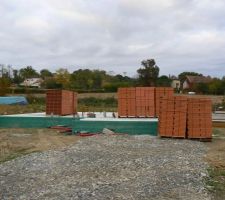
32,82
175,84
192,80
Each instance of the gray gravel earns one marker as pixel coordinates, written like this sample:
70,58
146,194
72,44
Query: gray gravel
109,167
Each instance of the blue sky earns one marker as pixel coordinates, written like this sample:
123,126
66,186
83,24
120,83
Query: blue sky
114,35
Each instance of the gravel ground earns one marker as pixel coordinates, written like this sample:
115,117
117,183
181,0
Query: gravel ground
110,167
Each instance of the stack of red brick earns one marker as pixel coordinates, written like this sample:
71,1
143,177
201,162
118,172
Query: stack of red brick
145,101
127,102
185,117
199,118
141,101
136,102
61,102
161,92
172,117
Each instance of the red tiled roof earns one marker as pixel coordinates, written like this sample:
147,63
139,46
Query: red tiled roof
198,79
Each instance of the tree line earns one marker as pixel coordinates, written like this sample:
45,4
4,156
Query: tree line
86,79
102,81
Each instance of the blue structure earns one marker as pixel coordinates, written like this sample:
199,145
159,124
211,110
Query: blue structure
15,100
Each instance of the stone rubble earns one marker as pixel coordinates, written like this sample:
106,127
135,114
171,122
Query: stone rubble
110,167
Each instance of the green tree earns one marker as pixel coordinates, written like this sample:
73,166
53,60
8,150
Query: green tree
216,86
148,75
98,77
62,77
28,72
51,83
164,81
202,88
17,79
45,73
88,79
223,86
5,71
82,79
4,86
113,87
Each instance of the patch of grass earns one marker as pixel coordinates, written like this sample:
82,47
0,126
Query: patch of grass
97,104
86,104
97,95
36,100
16,154
84,108
219,132
92,101
19,109
216,182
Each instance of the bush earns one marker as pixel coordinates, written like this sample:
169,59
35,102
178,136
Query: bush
90,91
4,86
35,100
92,101
23,90
113,87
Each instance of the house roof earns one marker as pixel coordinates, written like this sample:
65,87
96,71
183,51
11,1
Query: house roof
198,79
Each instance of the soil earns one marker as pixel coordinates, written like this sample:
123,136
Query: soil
16,142
216,159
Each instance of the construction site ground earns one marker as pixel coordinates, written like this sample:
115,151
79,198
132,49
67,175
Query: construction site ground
44,164
18,142
216,159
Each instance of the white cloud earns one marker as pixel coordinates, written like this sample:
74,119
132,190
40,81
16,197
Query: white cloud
35,24
114,34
